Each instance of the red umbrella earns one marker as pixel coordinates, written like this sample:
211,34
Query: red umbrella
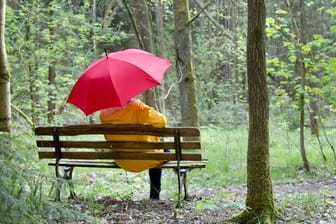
113,80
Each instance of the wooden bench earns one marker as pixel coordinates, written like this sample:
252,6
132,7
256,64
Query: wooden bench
75,146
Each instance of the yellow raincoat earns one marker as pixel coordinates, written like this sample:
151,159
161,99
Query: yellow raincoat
135,112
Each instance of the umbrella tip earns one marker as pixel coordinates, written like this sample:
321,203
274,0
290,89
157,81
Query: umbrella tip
105,52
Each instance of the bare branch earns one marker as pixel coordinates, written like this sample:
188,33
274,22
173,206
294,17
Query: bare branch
215,22
134,24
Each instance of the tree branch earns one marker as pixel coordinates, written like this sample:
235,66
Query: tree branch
215,22
23,115
134,24
199,13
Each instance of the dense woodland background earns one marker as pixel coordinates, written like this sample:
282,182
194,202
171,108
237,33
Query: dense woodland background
49,44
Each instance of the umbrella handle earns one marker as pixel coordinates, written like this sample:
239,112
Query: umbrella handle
105,52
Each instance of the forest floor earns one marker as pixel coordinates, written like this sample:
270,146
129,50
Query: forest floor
299,202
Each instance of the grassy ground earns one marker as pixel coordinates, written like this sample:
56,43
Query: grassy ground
226,151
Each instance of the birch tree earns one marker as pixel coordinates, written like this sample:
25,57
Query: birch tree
5,109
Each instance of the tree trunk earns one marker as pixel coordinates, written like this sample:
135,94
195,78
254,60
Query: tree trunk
161,50
30,68
259,184
313,117
5,109
33,40
233,28
109,12
51,92
144,28
302,69
51,72
184,66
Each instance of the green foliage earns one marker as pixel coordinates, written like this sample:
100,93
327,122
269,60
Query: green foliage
35,40
24,188
20,198
232,204
27,190
226,150
317,56
311,202
216,57
219,63
209,205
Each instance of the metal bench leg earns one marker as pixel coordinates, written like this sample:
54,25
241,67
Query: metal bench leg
58,189
179,205
184,180
58,184
68,177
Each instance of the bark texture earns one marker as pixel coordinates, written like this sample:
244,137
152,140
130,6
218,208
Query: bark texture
259,198
5,108
302,69
184,66
143,23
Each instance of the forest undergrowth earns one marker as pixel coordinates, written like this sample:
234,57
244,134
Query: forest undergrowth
112,196
217,192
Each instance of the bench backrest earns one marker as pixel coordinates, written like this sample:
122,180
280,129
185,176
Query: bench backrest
59,142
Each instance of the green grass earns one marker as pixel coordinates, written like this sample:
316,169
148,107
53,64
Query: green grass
285,156
226,150
24,178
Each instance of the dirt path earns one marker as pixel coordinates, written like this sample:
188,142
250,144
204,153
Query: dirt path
304,202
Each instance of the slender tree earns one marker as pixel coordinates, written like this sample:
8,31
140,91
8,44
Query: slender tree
259,199
51,69
31,67
184,65
162,51
302,71
234,70
143,23
5,109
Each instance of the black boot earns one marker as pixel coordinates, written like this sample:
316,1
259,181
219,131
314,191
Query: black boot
155,183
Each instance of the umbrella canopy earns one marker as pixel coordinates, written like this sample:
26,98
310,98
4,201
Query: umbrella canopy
113,80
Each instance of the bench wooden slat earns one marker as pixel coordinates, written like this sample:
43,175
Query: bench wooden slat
125,129
90,163
118,145
186,164
120,155
60,149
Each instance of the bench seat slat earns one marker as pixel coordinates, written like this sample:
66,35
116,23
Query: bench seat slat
120,129
120,155
57,145
102,164
186,164
118,144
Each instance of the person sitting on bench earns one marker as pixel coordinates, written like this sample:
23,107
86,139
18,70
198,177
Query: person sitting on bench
136,112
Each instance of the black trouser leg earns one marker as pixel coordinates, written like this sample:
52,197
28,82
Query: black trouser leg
155,183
